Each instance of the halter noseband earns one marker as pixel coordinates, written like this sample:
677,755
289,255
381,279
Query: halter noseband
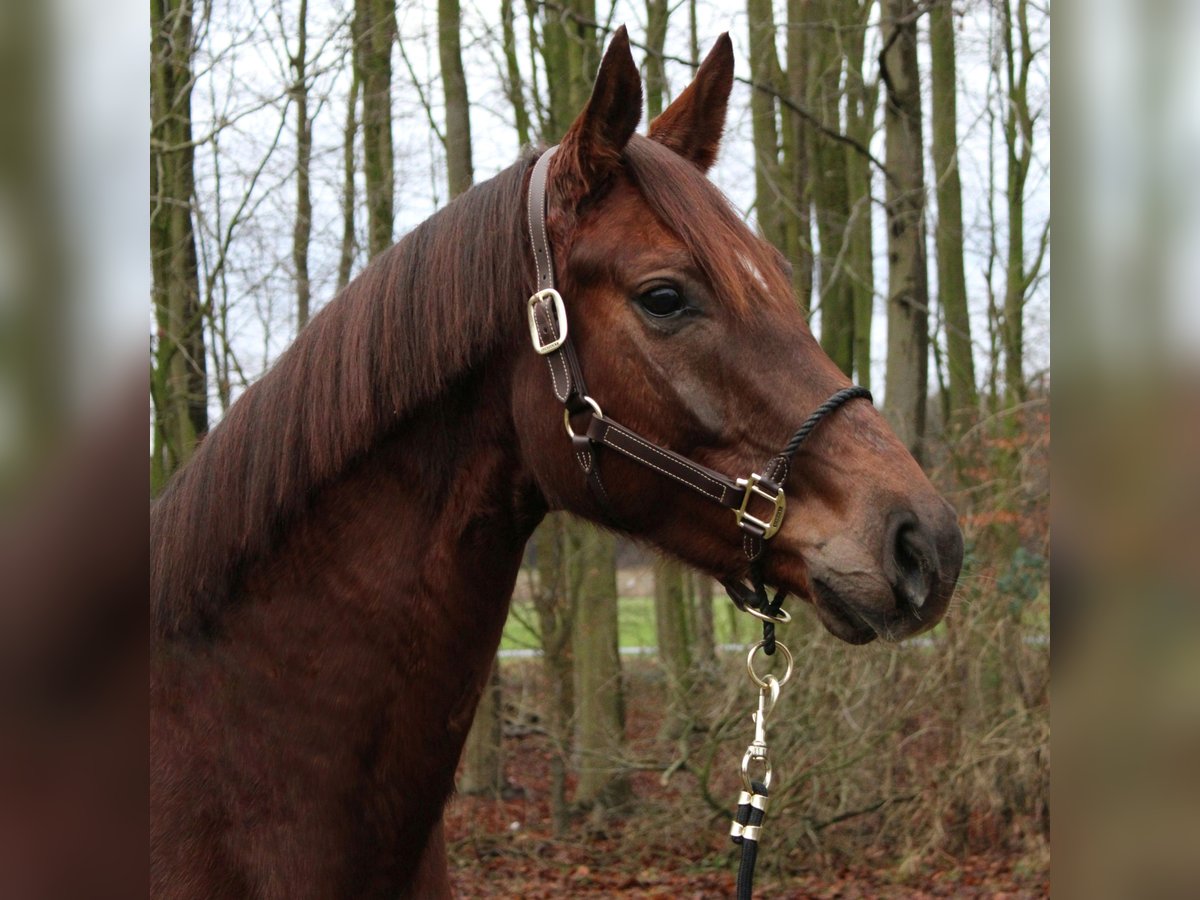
548,331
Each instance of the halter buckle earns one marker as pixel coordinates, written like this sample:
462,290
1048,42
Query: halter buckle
753,524
560,317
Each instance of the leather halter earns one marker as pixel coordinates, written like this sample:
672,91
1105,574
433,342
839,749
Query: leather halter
549,333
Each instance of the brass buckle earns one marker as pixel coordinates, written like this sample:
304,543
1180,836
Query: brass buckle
743,516
560,315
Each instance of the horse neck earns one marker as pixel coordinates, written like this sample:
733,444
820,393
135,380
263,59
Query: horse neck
409,559
358,649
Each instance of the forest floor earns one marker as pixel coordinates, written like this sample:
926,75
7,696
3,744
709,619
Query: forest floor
672,847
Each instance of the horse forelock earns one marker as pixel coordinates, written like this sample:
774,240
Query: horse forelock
747,272
420,316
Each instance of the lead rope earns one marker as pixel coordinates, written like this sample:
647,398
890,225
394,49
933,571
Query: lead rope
548,333
756,771
752,801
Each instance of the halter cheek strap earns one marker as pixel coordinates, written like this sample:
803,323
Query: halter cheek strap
548,330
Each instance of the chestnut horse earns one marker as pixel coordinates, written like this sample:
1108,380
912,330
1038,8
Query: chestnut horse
330,574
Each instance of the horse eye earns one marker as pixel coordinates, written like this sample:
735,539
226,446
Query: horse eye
662,302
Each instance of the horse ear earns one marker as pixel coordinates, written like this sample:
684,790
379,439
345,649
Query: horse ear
692,125
590,151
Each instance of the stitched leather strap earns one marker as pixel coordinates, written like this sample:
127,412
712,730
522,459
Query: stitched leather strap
699,478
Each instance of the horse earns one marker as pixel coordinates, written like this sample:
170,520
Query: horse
331,572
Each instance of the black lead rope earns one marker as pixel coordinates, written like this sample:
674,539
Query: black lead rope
752,808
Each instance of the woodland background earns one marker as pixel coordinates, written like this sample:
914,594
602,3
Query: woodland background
898,153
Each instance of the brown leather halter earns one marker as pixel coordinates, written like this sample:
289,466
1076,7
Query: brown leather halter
549,333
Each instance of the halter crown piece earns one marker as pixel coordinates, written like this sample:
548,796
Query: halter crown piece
549,334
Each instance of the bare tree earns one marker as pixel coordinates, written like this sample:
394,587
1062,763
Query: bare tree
952,282
861,100
599,699
1019,55
302,229
459,169
828,176
795,154
349,137
374,32
179,378
765,71
907,370
657,15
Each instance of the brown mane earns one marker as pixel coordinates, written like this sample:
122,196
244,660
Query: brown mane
421,314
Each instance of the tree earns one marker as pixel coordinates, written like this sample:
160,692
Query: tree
796,162
600,708
671,626
704,643
554,602
374,32
349,136
907,369
514,87
483,758
1018,139
459,170
828,174
952,282
302,229
765,74
657,14
179,378
861,100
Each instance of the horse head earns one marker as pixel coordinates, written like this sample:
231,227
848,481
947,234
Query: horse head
688,331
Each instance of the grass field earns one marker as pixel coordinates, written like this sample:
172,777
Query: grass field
635,618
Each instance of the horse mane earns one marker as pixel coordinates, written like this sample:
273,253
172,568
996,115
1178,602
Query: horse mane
420,315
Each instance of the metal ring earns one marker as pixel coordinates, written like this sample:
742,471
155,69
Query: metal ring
762,683
782,618
747,760
567,413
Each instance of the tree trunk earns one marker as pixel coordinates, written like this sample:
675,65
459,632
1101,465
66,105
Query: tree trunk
302,228
513,86
670,622
764,72
553,599
571,55
829,188
374,31
795,157
657,12
705,643
599,698
952,281
459,170
861,100
483,756
908,288
1018,138
179,378
349,135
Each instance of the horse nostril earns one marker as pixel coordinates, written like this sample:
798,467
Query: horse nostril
915,566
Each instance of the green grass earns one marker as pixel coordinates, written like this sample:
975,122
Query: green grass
635,622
